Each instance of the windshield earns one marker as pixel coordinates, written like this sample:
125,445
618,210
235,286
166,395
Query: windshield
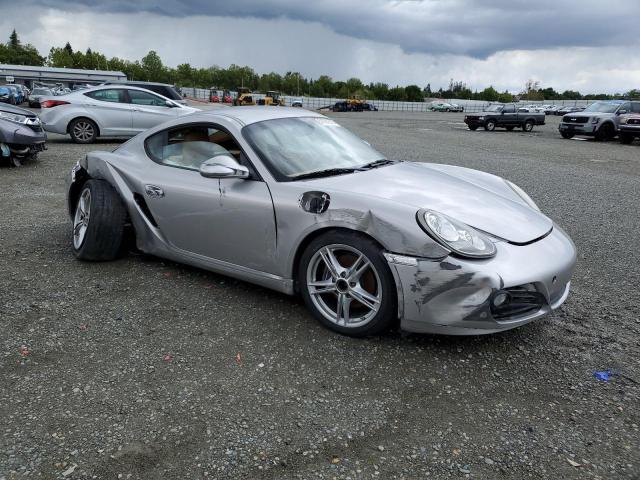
494,108
41,91
296,146
602,107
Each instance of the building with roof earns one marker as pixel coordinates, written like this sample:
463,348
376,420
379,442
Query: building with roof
30,75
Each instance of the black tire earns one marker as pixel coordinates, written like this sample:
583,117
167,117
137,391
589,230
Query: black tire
527,126
83,130
626,138
567,135
490,125
473,127
605,133
105,224
510,129
387,313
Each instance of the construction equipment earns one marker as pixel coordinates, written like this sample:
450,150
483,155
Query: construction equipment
272,98
244,97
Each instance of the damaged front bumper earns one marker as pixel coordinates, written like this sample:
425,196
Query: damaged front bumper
458,296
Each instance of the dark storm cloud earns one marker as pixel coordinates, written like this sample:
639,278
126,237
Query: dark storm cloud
461,27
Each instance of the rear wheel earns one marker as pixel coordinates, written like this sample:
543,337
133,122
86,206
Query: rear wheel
605,132
527,126
567,135
346,283
490,125
98,222
626,138
83,130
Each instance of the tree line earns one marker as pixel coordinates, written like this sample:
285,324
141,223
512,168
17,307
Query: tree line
151,68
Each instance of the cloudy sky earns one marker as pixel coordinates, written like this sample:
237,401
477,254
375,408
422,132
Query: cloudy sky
585,45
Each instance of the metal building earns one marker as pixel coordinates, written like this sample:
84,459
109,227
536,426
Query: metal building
28,75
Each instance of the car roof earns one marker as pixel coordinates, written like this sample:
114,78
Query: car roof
253,114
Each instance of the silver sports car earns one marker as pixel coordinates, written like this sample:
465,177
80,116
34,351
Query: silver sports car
291,200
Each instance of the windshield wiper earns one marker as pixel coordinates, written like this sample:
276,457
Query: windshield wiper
325,173
376,164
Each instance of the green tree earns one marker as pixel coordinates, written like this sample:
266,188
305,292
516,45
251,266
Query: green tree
14,41
489,94
414,93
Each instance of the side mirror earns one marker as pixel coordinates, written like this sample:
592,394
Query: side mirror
223,166
621,112
169,104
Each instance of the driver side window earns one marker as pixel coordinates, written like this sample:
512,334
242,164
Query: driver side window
509,109
188,147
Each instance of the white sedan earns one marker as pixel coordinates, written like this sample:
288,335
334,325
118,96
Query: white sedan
108,111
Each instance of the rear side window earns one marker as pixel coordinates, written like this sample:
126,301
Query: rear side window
113,95
139,97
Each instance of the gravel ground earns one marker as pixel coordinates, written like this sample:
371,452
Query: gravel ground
143,368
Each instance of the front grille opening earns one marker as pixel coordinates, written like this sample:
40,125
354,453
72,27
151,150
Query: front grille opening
511,303
145,208
571,119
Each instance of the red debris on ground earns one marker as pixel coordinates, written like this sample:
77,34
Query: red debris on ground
24,351
238,359
167,357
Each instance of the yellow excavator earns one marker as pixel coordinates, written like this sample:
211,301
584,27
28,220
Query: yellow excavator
272,98
244,97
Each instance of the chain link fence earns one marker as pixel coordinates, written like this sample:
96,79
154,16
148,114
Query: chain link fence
315,103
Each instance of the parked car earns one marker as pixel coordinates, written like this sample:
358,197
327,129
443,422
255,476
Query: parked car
369,107
296,102
16,94
37,94
629,126
503,115
164,89
551,109
296,203
599,120
566,110
21,135
454,107
108,111
440,107
6,95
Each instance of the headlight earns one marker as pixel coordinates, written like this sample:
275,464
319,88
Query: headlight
523,195
13,117
595,120
480,118
456,236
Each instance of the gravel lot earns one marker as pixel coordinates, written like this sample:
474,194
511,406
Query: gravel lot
143,368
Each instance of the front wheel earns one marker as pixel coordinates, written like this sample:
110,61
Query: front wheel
346,282
98,222
490,125
567,135
473,127
605,133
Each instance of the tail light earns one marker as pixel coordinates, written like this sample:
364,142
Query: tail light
52,103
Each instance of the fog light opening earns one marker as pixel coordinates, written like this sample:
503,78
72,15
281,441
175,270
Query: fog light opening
501,298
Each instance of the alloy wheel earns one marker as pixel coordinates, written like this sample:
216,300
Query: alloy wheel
344,285
83,131
81,218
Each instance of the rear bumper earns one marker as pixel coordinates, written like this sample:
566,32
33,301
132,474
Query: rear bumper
454,296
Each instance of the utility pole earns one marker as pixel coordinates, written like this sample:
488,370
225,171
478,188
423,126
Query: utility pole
298,89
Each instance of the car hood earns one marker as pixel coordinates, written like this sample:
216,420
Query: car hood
478,199
13,109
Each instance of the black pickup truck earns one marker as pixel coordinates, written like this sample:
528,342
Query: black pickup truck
504,115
